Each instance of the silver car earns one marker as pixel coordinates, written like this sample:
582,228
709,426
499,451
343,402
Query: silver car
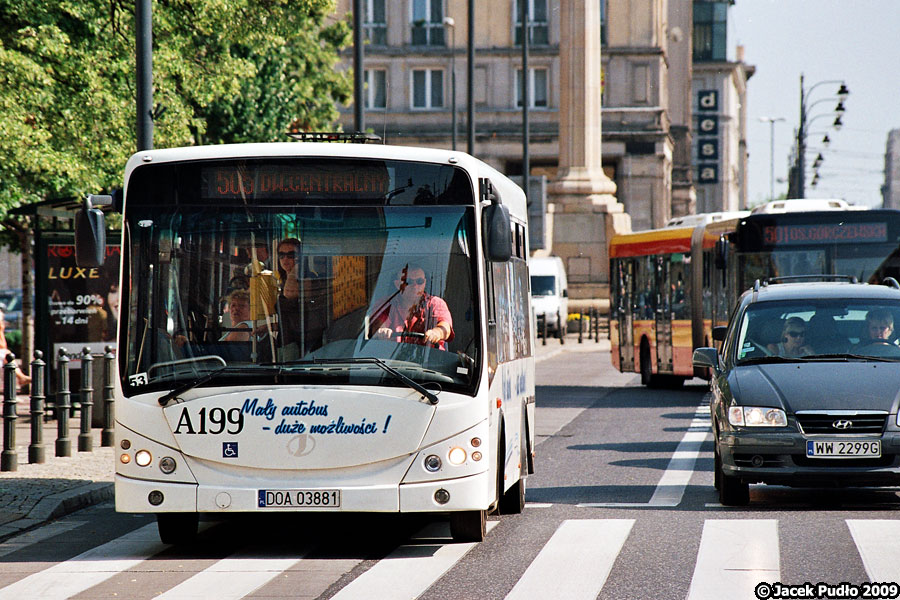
806,387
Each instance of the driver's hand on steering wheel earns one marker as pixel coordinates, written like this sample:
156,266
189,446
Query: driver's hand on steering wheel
435,335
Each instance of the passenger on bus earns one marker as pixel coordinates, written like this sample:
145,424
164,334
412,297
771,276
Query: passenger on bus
307,335
239,310
411,314
793,339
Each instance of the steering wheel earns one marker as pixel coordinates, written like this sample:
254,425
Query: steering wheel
758,346
410,334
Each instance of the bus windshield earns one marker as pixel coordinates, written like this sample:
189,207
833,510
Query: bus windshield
300,292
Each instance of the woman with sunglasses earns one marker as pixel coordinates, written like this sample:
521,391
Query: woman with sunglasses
793,339
411,315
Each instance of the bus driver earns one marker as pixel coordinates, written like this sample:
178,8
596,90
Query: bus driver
410,310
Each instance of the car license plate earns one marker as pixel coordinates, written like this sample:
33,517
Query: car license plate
299,498
843,449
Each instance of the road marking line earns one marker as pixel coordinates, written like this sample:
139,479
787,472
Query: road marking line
670,489
407,571
575,562
878,542
231,578
735,555
88,569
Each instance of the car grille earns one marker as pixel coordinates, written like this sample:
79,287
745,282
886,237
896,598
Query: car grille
843,423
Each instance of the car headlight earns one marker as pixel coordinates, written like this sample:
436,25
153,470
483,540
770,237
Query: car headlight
756,416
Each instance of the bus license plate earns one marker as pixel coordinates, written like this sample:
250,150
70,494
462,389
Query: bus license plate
299,499
843,449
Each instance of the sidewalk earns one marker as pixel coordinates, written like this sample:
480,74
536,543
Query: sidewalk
37,493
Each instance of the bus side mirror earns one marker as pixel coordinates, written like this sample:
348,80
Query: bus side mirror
90,232
497,233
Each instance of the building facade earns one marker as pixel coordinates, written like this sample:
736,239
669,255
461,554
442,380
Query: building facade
415,70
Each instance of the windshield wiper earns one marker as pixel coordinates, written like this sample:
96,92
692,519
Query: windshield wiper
431,396
206,377
762,360
847,356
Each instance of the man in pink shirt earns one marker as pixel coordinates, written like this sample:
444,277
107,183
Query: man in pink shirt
411,315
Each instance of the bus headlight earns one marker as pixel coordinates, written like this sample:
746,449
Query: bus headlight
142,458
456,456
433,463
167,464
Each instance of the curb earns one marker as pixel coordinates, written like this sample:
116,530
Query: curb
58,505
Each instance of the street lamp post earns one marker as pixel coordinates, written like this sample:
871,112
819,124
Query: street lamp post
842,94
451,24
771,121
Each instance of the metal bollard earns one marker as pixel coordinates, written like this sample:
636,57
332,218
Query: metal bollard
595,316
580,326
36,447
63,443
543,317
560,324
85,438
107,436
9,460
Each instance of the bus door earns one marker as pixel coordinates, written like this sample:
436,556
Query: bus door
624,315
663,315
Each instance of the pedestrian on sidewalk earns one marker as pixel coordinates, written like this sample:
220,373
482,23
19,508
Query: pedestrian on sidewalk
21,378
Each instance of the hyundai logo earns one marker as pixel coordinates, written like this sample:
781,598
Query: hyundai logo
842,424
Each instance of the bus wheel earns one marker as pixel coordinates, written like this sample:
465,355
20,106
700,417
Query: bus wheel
468,525
646,373
177,528
513,501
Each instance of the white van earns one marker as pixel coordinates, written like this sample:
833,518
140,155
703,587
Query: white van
549,290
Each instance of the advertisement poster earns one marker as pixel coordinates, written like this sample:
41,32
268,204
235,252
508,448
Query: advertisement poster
83,301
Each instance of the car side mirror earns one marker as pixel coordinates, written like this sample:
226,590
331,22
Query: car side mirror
706,357
719,332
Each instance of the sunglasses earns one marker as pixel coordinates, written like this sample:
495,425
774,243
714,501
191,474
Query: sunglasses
286,254
796,333
416,281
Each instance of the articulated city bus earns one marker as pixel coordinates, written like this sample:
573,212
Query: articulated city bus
669,287
384,363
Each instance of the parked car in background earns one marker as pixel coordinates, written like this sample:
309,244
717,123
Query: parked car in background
806,387
549,291
12,301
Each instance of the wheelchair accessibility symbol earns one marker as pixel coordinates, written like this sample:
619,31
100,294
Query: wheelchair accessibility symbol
229,449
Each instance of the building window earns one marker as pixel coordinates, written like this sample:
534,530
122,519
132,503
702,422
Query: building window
603,8
427,88
710,31
537,88
376,89
375,22
428,23
538,27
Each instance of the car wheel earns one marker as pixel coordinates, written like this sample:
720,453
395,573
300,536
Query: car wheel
717,469
732,491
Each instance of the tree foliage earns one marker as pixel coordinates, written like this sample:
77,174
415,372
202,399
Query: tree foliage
223,71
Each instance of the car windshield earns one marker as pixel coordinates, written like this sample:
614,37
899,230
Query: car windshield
838,328
543,285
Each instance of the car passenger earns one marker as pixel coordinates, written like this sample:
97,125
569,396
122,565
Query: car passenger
793,339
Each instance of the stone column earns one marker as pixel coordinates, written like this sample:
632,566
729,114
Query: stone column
585,212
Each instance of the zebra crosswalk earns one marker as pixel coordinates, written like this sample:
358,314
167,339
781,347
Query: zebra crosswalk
574,562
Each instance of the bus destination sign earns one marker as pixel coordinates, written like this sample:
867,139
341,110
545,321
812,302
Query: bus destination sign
834,233
287,181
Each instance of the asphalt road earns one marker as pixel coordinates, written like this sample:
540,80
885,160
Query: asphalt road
622,506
